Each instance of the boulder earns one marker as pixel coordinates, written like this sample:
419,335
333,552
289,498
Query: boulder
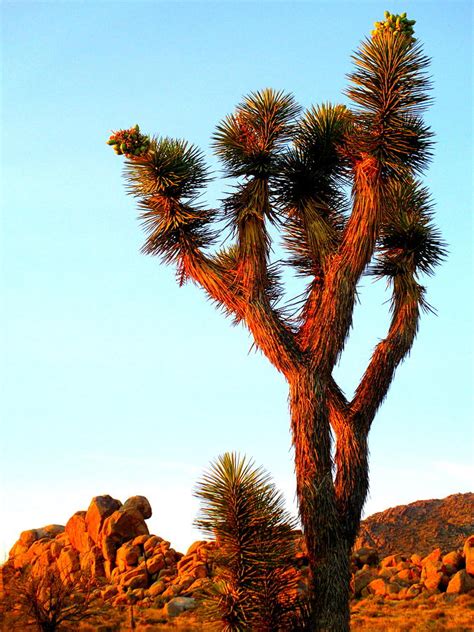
140,504
469,554
361,579
434,557
68,563
461,582
453,560
127,556
390,561
92,562
156,564
179,605
100,508
157,588
123,525
366,555
151,543
378,587
135,578
76,530
195,546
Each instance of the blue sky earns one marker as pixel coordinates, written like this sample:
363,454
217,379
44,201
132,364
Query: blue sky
117,381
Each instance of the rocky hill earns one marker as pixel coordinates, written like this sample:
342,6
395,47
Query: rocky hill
420,526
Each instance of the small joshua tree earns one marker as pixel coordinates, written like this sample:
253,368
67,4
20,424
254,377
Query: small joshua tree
254,584
342,186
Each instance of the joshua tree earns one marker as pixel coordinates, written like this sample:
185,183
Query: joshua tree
254,582
341,185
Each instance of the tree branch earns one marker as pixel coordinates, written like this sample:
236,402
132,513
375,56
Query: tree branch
326,332
373,388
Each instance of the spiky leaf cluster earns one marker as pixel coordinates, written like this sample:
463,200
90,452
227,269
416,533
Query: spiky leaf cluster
249,140
309,186
171,172
390,91
409,242
243,511
172,167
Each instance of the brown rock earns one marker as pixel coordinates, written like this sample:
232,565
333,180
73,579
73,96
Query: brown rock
170,557
152,542
416,559
195,546
420,526
157,588
178,605
406,576
156,564
140,540
366,555
453,559
387,572
469,554
77,532
136,578
68,563
361,579
199,572
29,537
121,526
56,548
433,581
125,525
391,560
172,591
127,556
377,587
92,562
434,556
101,507
392,590
140,504
461,582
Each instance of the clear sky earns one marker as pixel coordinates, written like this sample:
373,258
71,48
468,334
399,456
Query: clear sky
114,379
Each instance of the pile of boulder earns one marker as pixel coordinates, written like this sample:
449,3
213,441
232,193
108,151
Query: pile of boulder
407,577
110,543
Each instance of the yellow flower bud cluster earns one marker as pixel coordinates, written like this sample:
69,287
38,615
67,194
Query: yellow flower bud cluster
395,24
129,142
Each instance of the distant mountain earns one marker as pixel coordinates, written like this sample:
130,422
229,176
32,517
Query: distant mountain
420,526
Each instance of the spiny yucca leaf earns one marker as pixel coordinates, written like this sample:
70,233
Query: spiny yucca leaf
243,511
308,190
320,135
409,242
170,171
171,167
390,89
248,140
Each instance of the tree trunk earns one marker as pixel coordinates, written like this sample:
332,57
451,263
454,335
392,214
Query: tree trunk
330,518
